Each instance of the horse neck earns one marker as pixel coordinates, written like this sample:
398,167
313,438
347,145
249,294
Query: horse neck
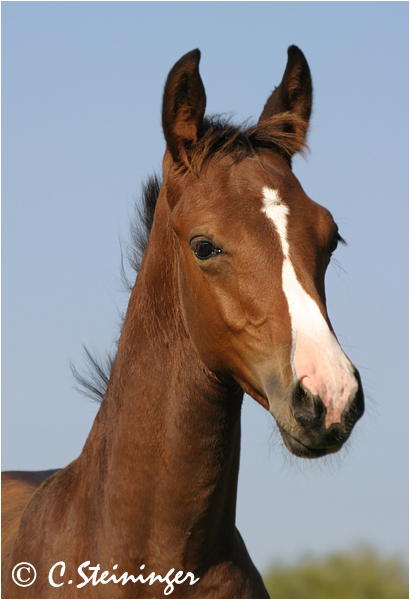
165,444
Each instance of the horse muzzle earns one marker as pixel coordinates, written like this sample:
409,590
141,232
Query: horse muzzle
312,436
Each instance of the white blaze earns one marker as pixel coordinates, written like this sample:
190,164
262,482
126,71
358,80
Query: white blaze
317,359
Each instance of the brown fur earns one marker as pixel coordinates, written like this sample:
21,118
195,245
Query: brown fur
156,482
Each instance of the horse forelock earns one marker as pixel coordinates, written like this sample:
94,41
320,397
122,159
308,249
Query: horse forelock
284,133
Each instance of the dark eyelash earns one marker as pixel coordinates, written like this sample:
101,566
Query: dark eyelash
340,239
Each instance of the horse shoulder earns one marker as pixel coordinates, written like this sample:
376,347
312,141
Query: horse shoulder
235,577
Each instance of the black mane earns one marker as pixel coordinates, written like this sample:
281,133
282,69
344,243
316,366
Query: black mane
93,381
141,225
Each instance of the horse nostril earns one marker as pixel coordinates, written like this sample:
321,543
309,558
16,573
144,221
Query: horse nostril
308,410
355,406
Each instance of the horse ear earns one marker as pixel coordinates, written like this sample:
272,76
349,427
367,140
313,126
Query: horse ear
294,97
183,106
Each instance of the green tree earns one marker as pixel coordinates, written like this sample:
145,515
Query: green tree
360,573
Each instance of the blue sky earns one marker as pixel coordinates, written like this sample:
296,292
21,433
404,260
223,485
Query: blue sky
81,96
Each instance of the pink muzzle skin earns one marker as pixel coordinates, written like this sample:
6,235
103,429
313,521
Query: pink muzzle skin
324,370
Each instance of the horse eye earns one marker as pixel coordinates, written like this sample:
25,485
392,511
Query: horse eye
204,250
335,242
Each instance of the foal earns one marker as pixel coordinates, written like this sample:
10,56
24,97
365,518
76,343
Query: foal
229,299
